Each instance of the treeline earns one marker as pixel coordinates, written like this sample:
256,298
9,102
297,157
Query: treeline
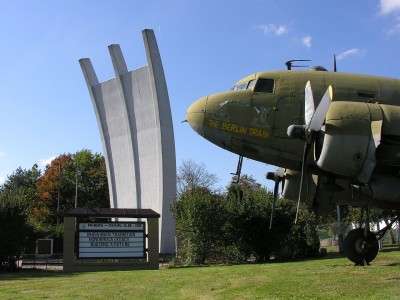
233,225
229,225
33,203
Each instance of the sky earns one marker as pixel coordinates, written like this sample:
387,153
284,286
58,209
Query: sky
205,46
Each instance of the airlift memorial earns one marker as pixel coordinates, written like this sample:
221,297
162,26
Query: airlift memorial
135,124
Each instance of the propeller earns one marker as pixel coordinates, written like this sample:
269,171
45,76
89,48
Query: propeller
277,177
309,132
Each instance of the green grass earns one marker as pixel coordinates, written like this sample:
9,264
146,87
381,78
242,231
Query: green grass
328,278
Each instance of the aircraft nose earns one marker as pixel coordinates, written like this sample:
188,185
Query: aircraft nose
195,115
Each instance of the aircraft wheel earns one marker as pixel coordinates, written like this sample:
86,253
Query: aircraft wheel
359,249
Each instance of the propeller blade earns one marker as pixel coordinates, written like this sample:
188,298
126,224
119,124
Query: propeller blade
280,172
318,118
307,147
275,196
309,104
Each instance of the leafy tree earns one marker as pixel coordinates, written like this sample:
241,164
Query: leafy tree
87,172
249,212
68,178
54,193
197,212
78,177
22,180
14,212
16,194
303,239
39,201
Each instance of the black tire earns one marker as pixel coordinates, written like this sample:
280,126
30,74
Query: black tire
359,249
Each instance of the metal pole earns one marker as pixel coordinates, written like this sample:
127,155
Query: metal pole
398,232
380,242
340,234
58,194
76,186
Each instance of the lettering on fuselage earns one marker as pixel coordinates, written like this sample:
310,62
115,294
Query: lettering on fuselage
239,129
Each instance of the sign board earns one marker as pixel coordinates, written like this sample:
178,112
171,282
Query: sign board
111,240
44,246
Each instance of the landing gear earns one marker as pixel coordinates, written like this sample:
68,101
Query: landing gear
360,246
238,170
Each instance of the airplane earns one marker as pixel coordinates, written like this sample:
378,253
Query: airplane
334,137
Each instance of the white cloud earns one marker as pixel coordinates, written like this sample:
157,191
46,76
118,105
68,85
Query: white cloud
343,55
396,27
306,41
281,30
2,154
389,6
46,161
272,28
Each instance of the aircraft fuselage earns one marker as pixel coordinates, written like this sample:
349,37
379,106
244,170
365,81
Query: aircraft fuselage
252,119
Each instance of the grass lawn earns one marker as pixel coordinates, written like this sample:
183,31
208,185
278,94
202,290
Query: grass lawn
328,278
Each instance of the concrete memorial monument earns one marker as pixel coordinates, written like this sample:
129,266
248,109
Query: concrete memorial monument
135,124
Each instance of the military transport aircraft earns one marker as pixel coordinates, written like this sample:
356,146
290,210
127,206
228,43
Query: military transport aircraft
335,138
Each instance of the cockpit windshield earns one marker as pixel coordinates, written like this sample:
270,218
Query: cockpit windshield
261,85
243,86
239,87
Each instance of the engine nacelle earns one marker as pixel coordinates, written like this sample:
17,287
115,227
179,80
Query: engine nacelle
353,131
292,186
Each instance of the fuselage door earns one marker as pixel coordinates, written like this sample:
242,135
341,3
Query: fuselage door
288,106
263,104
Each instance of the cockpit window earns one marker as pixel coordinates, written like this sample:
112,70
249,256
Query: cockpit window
264,85
239,87
244,86
251,84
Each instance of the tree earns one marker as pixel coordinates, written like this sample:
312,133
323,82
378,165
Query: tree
14,228
192,176
36,203
80,176
249,213
197,212
303,239
22,179
69,177
16,232
54,193
87,172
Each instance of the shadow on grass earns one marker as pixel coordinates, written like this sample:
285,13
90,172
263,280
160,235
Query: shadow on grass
23,274
329,256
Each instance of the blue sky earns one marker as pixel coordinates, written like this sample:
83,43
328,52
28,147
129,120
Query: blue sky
205,47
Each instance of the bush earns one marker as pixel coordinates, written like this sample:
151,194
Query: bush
14,228
199,216
235,228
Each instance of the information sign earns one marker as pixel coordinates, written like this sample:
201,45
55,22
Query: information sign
111,240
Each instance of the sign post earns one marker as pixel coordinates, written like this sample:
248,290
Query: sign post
119,245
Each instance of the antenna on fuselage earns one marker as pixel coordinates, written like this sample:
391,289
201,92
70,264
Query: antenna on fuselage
289,63
334,63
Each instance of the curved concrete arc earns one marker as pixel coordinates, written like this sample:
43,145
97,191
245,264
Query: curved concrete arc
135,124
